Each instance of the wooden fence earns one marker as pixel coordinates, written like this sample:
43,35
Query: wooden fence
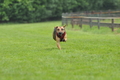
92,21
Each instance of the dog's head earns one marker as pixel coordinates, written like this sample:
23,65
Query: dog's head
60,30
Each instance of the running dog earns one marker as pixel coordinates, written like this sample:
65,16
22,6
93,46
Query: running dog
59,35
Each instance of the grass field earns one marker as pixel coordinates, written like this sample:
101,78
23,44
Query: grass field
28,52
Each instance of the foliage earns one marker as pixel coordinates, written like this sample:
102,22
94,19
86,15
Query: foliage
28,52
41,10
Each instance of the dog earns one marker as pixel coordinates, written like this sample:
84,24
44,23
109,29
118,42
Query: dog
59,35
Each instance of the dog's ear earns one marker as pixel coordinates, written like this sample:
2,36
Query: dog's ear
64,26
56,27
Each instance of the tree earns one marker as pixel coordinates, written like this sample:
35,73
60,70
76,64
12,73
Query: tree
41,10
110,4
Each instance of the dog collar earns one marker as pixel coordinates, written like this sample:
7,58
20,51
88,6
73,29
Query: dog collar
61,37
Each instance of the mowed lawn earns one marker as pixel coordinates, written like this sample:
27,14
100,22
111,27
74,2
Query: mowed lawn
28,52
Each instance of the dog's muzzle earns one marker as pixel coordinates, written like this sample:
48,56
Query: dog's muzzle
60,33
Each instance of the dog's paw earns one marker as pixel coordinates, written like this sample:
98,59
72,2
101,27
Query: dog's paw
63,40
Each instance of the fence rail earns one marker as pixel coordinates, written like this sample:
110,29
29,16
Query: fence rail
94,14
92,21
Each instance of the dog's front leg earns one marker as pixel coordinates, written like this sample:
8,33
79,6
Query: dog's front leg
58,45
65,38
58,42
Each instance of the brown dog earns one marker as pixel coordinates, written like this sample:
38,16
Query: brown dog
59,35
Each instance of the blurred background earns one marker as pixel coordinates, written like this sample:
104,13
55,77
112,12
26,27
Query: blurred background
30,11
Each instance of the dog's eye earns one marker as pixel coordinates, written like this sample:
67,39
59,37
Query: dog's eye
62,29
58,29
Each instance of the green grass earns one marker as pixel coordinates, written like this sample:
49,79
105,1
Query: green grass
28,52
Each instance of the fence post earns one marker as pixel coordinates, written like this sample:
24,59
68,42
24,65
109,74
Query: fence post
112,25
66,21
98,20
90,22
72,23
62,21
80,23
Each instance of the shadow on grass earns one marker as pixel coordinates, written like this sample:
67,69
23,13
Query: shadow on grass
52,49
49,49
